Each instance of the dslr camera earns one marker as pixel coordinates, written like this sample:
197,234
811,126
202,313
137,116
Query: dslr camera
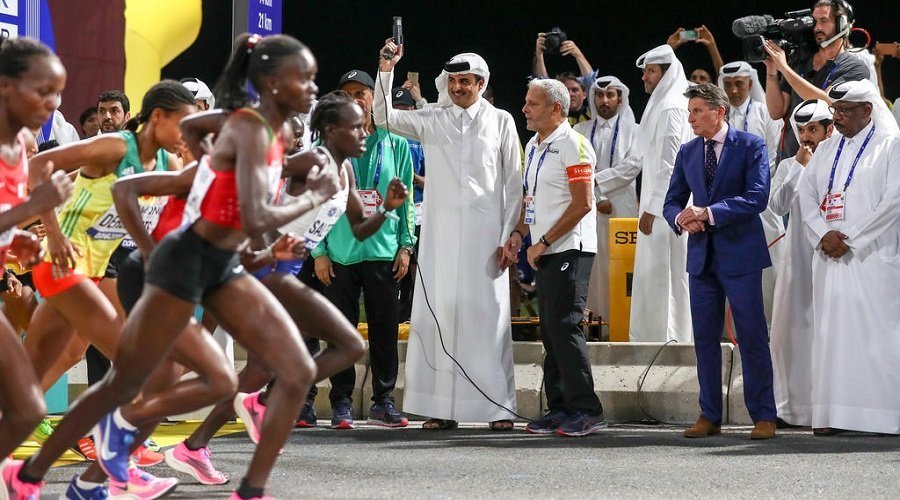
794,34
553,39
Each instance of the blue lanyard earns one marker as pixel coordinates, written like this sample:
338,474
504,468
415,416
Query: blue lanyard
377,175
747,114
828,76
837,157
612,148
537,171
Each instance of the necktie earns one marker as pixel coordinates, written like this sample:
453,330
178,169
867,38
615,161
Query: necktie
709,168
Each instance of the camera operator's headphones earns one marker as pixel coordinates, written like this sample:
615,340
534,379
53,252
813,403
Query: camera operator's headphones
846,19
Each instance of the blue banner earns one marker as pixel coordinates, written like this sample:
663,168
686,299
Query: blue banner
263,16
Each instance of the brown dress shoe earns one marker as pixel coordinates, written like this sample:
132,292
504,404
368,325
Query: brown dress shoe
763,430
702,428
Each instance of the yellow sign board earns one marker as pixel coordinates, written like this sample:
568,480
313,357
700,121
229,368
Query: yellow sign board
622,244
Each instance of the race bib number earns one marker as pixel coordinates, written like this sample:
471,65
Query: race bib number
203,179
328,215
370,199
834,206
529,210
109,226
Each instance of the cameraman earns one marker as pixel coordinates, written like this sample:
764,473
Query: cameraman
579,110
811,77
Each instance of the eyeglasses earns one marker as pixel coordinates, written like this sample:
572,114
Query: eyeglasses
845,111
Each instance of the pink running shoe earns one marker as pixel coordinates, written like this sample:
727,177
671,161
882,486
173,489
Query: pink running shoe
195,463
141,485
251,412
235,496
11,487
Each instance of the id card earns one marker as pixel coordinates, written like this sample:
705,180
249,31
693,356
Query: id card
370,199
834,207
418,207
529,210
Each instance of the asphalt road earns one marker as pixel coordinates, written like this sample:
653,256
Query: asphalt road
624,461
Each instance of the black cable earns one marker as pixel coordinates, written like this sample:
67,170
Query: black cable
643,377
387,126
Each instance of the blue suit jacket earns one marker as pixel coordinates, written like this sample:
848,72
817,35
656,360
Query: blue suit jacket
740,192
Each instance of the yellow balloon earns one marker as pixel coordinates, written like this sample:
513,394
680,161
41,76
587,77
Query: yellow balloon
156,31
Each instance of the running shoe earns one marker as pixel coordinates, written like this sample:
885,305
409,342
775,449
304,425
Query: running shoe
196,463
145,457
385,414
43,431
308,417
114,447
548,424
235,496
581,424
141,485
12,488
342,415
73,492
85,448
152,445
251,412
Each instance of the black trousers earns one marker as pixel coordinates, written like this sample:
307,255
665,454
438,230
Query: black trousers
380,291
97,365
562,284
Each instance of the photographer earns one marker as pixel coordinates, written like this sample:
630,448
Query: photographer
811,77
556,42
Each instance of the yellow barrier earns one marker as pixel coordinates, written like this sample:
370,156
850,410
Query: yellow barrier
622,243
156,31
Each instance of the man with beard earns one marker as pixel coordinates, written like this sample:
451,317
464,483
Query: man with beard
660,307
459,363
850,201
831,64
113,109
611,133
791,333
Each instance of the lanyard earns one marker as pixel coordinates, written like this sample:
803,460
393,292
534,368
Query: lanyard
747,114
612,148
377,175
828,76
837,157
537,171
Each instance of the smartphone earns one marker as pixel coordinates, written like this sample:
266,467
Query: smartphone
397,33
413,77
688,35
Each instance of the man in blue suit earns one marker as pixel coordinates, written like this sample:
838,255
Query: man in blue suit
727,172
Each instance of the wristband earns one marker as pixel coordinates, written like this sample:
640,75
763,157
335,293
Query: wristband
543,240
389,215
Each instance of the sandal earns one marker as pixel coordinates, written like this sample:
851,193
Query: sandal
501,425
439,424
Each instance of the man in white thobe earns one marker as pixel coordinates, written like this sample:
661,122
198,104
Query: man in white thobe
748,112
850,203
462,305
791,334
660,303
611,133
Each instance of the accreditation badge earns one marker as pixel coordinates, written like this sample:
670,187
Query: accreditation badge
529,210
370,199
834,206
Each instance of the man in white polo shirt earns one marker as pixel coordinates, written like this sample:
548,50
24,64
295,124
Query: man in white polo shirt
559,212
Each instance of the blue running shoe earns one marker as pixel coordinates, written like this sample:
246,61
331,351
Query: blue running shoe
581,424
113,447
73,492
342,415
548,424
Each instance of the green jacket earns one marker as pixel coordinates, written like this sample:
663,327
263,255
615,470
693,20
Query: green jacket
340,245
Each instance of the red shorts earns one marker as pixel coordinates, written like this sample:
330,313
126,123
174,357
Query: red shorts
51,280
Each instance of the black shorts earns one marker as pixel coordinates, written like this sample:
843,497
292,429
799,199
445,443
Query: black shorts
115,260
189,267
131,280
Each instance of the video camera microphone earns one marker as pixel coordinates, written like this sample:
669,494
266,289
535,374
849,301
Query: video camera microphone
746,26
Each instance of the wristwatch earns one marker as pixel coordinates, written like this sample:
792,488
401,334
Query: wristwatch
388,214
543,239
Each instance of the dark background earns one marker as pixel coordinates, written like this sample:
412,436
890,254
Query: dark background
346,35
